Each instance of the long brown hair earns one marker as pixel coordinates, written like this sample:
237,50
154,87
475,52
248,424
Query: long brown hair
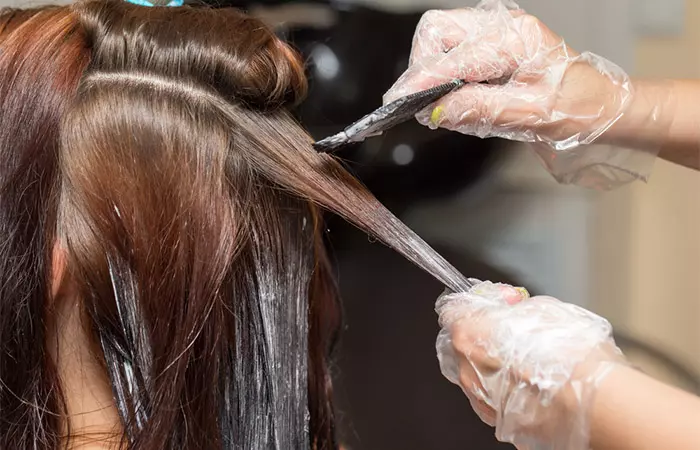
42,56
186,200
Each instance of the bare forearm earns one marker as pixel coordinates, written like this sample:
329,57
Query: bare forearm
635,412
664,116
683,145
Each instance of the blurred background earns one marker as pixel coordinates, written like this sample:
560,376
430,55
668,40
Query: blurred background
632,255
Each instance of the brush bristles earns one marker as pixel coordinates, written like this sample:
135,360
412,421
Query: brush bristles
332,143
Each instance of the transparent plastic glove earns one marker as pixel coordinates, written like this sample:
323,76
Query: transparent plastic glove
529,366
542,91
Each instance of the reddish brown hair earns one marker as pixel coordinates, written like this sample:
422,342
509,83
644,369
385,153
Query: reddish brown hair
42,56
187,201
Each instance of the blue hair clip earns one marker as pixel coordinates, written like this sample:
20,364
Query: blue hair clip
147,3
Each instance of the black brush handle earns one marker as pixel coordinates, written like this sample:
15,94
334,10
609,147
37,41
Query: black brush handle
398,111
388,116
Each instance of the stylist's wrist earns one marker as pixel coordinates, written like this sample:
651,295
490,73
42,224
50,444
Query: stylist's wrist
588,376
646,121
576,401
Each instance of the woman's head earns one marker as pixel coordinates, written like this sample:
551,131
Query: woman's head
195,267
184,200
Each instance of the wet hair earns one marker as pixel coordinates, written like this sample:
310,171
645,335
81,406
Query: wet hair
154,147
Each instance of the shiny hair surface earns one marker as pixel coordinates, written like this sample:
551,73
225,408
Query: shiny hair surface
188,204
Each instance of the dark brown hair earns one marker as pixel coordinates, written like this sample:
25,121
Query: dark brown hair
42,56
187,201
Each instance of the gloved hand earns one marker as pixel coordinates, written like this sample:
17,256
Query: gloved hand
543,91
529,366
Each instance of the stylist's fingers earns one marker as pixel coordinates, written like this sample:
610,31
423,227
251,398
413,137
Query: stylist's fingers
468,62
478,46
440,31
470,381
464,342
472,305
463,361
485,412
487,111
473,45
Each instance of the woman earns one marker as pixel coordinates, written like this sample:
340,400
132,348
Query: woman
164,281
546,374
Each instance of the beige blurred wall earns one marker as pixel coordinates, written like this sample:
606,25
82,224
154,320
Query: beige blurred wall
647,262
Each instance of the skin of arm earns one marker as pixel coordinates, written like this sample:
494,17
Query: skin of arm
632,411
679,101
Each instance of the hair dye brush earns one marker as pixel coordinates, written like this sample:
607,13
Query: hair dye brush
386,117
